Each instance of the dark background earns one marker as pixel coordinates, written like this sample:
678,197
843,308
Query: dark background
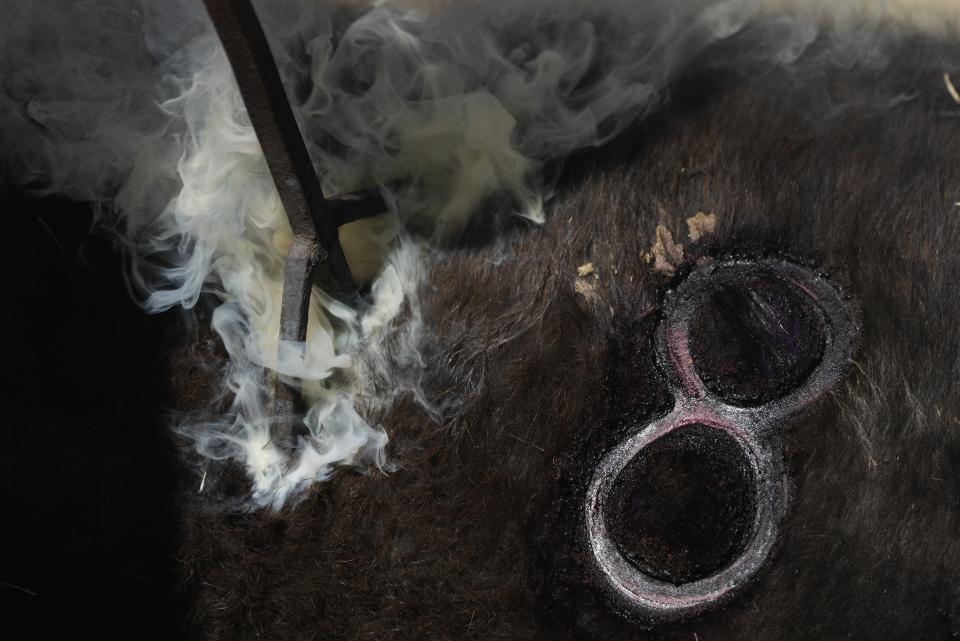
87,463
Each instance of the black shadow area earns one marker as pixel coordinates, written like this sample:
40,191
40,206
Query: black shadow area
87,465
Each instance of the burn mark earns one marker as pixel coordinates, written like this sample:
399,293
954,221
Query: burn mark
754,340
682,509
620,565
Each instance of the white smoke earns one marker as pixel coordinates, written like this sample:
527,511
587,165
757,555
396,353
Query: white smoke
442,106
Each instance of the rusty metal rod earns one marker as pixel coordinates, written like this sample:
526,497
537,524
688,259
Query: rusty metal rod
316,254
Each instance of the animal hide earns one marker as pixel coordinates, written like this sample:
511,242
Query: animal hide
476,534
537,356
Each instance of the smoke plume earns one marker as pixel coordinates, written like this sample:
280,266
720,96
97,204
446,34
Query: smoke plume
132,106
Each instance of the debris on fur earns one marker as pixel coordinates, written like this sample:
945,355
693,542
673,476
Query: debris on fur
951,88
667,254
701,225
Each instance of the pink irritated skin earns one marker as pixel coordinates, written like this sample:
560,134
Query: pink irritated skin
682,361
806,289
692,412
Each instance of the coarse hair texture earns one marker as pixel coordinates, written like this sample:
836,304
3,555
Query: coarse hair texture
533,370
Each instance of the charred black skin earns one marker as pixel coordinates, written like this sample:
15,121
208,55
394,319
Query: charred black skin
478,534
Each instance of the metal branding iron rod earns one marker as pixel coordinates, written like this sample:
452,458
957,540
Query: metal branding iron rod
316,254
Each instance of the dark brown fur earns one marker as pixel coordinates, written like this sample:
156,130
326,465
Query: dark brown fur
475,536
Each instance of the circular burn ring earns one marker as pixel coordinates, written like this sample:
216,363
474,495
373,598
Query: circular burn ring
755,429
